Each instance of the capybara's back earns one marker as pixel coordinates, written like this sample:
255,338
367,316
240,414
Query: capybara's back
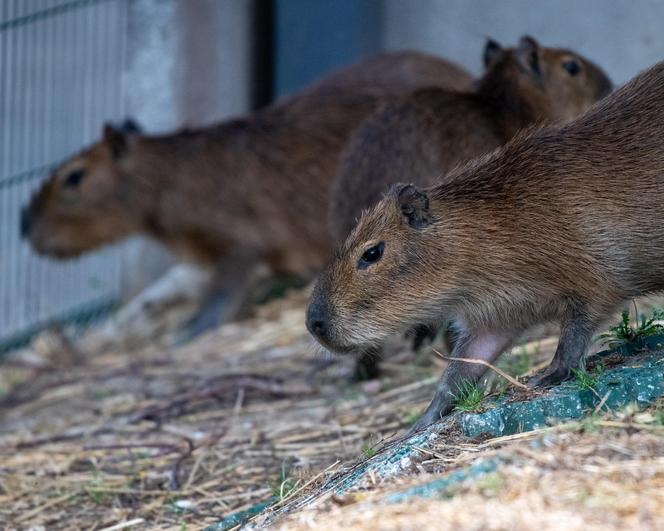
405,70
425,134
259,182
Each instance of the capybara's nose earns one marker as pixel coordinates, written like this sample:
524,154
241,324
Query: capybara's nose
318,321
26,221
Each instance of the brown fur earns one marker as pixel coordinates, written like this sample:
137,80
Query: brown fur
562,224
427,133
258,181
252,189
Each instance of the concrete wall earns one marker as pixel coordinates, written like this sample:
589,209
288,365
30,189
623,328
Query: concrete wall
214,75
315,36
623,36
190,63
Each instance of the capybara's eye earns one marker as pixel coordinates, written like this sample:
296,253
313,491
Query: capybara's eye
74,178
572,67
371,256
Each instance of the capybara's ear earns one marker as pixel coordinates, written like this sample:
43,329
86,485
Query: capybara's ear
116,140
131,126
491,50
527,54
413,205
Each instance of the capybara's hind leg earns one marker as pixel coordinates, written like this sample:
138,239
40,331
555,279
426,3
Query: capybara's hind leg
575,336
227,294
421,335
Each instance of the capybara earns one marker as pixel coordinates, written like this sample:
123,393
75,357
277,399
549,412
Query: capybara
562,224
426,133
246,191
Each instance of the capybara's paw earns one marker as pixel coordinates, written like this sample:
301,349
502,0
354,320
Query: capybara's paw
193,328
367,367
440,407
549,377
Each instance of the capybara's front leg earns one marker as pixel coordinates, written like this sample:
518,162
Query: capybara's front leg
478,345
367,365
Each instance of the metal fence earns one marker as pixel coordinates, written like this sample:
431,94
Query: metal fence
62,64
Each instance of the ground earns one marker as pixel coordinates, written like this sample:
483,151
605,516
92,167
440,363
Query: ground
181,438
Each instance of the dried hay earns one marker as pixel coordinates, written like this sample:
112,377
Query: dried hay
572,479
161,438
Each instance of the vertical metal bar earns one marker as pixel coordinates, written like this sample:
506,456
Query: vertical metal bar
23,284
48,153
15,156
123,259
5,48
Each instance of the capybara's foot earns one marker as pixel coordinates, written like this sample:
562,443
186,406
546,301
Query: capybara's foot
551,376
367,367
210,315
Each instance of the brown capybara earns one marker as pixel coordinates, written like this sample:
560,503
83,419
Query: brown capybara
246,191
562,224
427,133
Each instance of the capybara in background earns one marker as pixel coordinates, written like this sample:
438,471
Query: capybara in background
230,196
563,224
425,134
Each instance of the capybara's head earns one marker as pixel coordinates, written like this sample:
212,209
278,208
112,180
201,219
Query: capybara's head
84,203
359,298
558,83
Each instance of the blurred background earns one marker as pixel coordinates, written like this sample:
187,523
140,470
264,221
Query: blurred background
68,66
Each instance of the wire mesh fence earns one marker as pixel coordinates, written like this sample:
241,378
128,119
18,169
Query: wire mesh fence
62,65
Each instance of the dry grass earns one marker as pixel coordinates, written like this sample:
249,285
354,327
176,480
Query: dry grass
595,474
186,436
178,438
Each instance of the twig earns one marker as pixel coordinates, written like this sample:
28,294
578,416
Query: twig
636,315
165,448
174,483
124,525
430,452
18,395
601,402
592,390
536,368
266,385
47,505
63,437
635,425
510,379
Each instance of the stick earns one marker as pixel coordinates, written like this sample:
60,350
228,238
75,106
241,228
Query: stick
47,505
124,525
174,483
290,495
601,402
513,381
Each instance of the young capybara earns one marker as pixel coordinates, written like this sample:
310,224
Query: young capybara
562,224
246,191
427,133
